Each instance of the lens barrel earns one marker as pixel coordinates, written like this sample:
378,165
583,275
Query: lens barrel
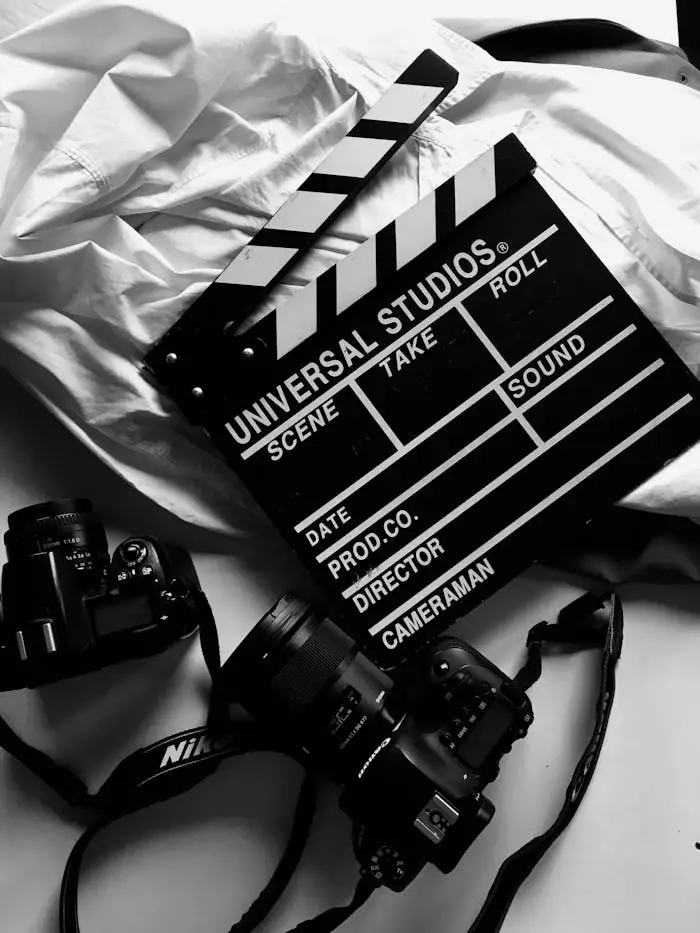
301,673
68,525
288,659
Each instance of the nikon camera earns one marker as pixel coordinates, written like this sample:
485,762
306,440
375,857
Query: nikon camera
413,751
68,609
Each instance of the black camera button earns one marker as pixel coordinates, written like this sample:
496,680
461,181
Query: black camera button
459,728
457,681
463,679
133,552
169,596
445,738
512,694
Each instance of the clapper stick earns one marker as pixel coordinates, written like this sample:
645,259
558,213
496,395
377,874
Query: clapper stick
292,230
317,306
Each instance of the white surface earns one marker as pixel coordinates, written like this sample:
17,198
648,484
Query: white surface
627,863
656,19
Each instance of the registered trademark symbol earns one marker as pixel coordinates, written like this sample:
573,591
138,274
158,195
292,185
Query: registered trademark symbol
502,247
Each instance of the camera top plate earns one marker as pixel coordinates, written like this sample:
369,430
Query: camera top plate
427,416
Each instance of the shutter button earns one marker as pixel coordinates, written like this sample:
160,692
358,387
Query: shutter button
133,552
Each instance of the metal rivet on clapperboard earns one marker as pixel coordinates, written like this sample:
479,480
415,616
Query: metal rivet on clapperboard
171,358
253,351
197,392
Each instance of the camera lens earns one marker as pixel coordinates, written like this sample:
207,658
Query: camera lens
68,525
304,676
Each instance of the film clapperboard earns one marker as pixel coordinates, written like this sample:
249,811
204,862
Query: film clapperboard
429,414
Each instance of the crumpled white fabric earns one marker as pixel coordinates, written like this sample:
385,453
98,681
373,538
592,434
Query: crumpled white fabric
142,143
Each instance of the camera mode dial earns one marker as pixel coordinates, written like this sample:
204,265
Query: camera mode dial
386,865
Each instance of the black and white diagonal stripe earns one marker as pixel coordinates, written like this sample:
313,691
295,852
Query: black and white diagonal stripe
377,259
260,265
341,175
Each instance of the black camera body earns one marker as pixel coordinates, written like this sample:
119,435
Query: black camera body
413,751
67,608
463,714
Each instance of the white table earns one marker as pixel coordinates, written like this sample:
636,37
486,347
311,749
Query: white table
627,863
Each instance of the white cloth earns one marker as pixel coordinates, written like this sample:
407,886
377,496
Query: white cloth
142,143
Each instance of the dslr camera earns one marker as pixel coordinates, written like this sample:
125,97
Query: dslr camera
412,751
67,608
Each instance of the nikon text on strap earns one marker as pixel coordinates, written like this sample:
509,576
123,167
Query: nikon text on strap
168,768
61,779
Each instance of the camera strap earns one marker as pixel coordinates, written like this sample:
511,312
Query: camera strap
67,785
61,779
167,768
171,767
590,621
177,763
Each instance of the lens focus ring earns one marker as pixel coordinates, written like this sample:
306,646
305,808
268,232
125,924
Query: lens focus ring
309,669
69,526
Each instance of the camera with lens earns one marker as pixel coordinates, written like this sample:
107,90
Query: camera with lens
67,608
412,751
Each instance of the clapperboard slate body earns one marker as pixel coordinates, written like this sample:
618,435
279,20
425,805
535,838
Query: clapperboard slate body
443,403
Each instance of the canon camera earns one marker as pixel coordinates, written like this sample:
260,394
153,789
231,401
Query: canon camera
68,609
413,751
